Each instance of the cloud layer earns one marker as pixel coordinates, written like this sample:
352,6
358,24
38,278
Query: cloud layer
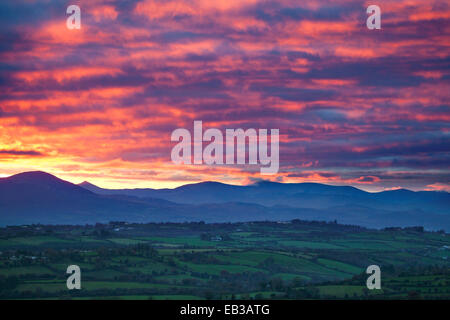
354,106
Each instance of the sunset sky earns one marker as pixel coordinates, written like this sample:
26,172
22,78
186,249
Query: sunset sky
368,108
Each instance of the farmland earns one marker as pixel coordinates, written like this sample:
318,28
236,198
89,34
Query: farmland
253,260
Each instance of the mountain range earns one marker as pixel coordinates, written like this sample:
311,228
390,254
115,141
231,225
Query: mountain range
38,197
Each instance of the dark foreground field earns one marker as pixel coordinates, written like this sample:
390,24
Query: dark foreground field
262,260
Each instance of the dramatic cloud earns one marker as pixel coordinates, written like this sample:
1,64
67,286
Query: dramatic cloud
354,106
20,152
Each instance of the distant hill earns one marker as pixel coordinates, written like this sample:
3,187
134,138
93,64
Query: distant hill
299,195
38,197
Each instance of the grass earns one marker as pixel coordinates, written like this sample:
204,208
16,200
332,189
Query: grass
340,291
182,265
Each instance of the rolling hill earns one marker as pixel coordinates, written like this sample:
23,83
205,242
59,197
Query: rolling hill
38,197
299,195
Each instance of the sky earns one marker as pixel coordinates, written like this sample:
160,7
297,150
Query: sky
368,108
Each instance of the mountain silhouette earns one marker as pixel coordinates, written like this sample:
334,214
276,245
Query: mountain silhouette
300,195
39,197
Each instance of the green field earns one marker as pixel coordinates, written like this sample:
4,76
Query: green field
261,260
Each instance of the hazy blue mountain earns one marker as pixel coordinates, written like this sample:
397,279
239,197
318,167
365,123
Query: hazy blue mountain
300,195
38,197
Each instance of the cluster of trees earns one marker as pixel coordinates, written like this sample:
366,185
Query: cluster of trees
8,283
